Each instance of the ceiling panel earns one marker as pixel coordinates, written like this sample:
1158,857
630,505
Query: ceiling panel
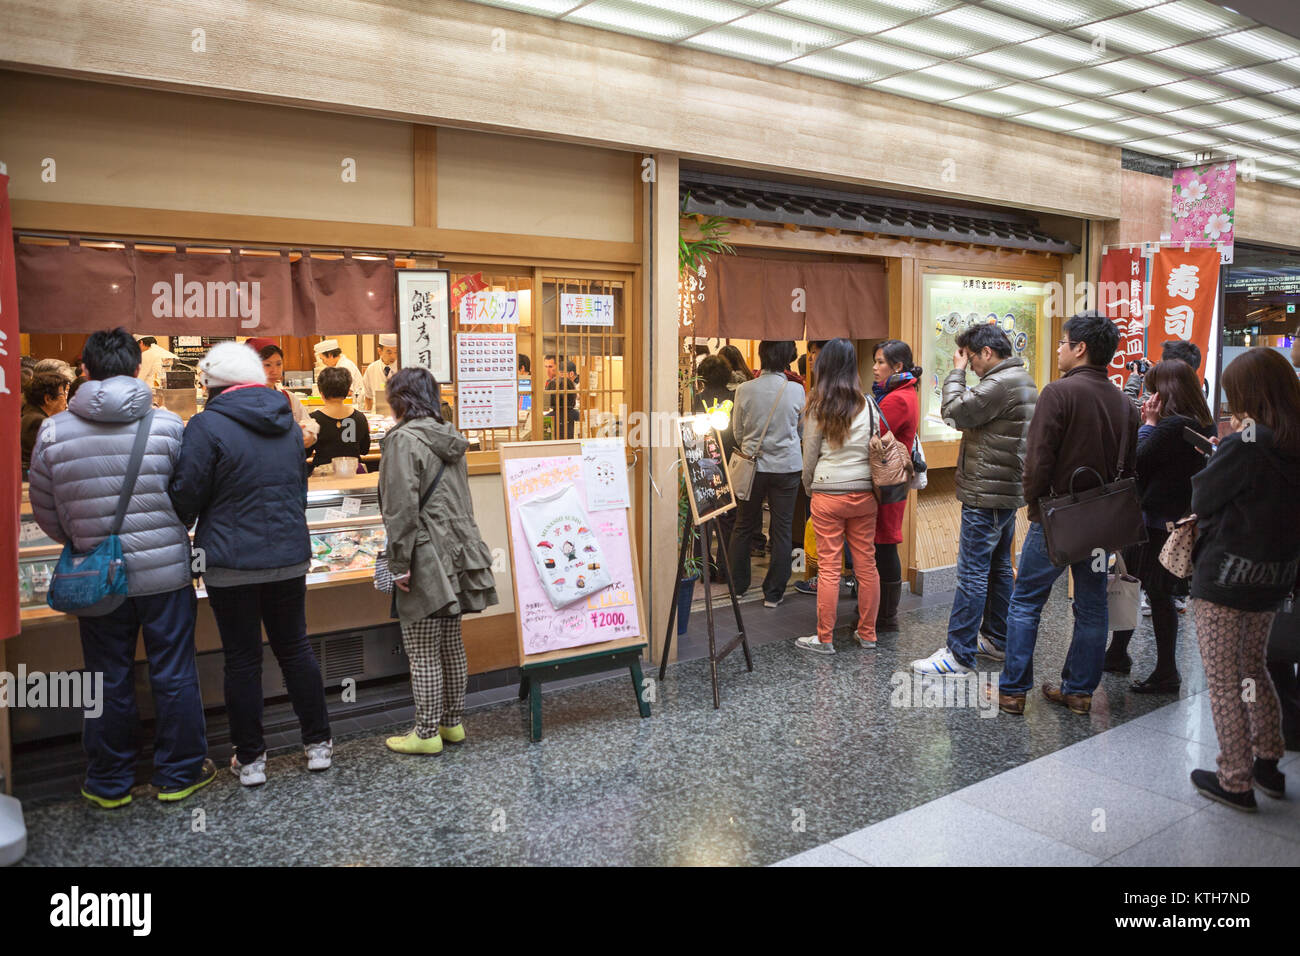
1173,78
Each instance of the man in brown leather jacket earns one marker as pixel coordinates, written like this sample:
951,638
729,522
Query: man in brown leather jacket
993,417
1081,421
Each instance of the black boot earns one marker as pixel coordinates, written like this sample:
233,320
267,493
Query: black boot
1269,779
1117,660
887,615
1206,783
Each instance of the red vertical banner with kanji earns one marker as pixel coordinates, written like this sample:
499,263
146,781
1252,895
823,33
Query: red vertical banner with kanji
1120,300
1184,289
10,413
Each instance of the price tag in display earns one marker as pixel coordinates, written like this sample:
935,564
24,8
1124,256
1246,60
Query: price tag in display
30,530
336,514
351,506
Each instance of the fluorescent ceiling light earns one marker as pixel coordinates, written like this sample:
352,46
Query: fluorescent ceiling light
743,44
1282,143
1195,139
1052,119
1016,62
547,7
1145,73
988,103
838,65
908,85
1195,91
990,24
845,14
932,38
1146,124
1128,37
1057,13
1201,117
1038,95
1191,57
1144,102
1108,134
796,33
1291,96
1198,16
1244,131
914,6
1253,109
641,21
1263,44
964,75
1099,110
1255,80
891,55
1070,50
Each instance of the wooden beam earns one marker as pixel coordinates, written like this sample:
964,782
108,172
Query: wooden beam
790,226
132,222
833,230
424,156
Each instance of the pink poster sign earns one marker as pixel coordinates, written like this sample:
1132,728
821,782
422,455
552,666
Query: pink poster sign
605,615
1204,206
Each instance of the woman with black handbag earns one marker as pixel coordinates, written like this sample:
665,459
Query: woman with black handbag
1166,462
1246,559
440,567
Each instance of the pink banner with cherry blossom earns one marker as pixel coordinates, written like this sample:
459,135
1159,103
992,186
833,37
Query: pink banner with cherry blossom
1204,206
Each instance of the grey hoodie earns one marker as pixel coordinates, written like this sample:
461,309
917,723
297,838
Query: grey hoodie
78,469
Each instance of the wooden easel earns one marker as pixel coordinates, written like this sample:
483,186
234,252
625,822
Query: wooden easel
708,529
585,659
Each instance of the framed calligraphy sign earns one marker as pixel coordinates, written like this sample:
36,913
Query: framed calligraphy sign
424,320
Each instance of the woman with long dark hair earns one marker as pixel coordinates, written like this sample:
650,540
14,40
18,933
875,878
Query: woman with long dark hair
838,425
740,370
895,390
1247,561
1165,466
441,567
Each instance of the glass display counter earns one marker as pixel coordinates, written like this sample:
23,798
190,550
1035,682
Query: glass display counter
343,520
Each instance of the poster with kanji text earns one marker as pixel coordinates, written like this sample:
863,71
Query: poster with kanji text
424,320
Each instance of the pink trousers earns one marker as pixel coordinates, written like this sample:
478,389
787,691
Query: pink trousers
837,518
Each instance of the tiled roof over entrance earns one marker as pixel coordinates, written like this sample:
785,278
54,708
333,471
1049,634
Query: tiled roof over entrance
733,198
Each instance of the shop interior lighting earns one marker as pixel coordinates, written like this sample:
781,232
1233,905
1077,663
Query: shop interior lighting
1175,78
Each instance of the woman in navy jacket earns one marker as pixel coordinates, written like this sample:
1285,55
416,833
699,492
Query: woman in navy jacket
241,474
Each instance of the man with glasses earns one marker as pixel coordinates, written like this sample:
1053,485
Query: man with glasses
1080,421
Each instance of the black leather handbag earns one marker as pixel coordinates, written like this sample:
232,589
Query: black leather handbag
1081,524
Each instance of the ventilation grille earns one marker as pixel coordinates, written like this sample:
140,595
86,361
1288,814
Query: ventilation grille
340,657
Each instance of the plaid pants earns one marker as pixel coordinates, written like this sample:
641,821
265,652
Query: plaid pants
438,672
1232,650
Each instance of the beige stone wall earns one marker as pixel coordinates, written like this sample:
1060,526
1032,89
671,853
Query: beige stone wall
436,64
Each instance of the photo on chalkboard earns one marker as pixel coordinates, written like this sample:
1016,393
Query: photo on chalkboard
708,482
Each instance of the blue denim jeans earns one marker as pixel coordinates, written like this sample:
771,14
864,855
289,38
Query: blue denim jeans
984,580
1082,671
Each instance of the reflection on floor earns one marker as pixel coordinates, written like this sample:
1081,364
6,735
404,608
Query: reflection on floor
803,752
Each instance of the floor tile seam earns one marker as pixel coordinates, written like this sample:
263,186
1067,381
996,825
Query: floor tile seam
1191,810
951,796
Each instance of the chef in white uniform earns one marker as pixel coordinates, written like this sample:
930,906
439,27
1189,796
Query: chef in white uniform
330,355
154,361
377,372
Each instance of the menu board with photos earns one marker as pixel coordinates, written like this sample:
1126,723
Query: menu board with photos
483,357
708,482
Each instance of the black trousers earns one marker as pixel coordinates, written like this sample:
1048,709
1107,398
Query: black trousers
778,490
240,612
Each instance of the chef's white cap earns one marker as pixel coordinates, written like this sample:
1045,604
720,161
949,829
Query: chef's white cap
327,345
388,341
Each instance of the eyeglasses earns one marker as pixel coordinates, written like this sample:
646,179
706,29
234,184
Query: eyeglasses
1066,342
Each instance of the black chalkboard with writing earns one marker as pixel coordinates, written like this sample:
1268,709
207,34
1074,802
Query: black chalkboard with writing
708,483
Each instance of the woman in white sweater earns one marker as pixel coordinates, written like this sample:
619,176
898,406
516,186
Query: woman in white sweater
838,425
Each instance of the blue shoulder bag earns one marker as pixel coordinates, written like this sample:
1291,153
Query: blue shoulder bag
94,584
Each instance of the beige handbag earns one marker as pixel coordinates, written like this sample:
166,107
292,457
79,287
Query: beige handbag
890,461
1176,554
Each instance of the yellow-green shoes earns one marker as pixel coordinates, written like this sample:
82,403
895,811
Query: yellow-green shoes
106,803
452,735
413,743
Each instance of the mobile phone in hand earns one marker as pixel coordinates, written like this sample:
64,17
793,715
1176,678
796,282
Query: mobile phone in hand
1198,441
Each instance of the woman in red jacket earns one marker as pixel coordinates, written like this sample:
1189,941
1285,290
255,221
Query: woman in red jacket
895,390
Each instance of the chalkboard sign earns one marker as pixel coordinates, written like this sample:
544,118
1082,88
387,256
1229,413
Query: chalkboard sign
708,483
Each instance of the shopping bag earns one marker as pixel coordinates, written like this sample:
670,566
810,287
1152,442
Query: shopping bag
1123,595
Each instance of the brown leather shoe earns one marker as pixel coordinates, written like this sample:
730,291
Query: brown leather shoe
1077,703
1012,704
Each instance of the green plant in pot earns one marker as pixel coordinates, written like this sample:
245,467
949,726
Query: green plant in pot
692,254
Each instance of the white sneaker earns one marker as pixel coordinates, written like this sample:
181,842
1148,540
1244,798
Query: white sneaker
1145,606
869,645
1180,604
989,649
249,774
319,756
941,662
814,645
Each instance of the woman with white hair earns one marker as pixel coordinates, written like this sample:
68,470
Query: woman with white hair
241,474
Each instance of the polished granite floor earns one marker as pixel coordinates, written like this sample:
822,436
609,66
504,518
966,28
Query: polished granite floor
804,751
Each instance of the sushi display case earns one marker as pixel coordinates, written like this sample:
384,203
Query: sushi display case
343,519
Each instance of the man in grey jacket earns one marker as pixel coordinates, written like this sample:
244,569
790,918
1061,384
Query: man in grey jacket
78,471
993,417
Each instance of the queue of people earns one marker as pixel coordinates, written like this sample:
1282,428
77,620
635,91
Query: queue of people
237,473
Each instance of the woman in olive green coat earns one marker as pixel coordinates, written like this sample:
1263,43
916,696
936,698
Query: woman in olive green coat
441,567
